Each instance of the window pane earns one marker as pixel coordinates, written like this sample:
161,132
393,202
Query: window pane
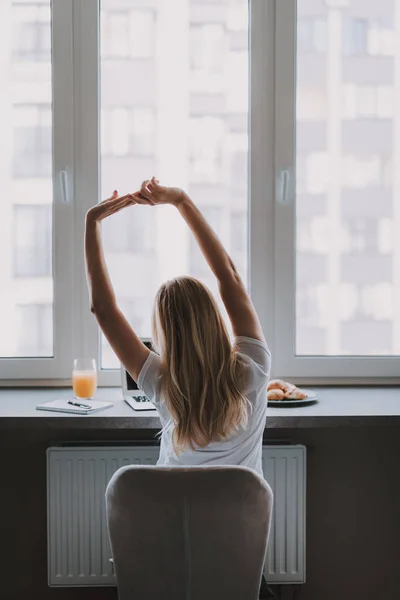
26,283
174,103
36,322
348,200
32,241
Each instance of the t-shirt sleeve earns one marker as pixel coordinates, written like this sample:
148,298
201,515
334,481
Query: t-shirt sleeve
149,379
258,360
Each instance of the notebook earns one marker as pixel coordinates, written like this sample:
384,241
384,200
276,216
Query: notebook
63,406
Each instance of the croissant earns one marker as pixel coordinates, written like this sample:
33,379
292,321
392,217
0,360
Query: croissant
278,384
290,391
296,394
275,394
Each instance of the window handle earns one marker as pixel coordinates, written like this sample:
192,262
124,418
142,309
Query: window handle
284,186
64,186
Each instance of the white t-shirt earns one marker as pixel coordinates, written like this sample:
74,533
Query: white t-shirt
244,447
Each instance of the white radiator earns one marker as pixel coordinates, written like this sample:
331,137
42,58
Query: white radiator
78,548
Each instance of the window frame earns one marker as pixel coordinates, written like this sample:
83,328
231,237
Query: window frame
271,161
319,369
58,367
87,158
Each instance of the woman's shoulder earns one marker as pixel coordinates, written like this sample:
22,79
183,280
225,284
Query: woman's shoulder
150,376
255,363
254,349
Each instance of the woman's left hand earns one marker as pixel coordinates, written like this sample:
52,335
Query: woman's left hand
110,206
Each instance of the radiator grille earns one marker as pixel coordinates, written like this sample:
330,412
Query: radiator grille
78,548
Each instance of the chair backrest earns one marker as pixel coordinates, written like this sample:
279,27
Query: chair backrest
188,533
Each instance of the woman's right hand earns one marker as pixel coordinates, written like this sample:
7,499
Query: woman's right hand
155,193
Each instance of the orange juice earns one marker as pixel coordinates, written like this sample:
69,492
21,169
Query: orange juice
84,383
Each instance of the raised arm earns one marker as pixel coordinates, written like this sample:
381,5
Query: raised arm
237,302
126,344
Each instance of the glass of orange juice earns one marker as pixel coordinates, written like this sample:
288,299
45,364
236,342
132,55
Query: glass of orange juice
84,378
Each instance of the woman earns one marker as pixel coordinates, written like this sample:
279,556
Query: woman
210,395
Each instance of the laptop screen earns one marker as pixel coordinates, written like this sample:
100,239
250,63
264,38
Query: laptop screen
131,384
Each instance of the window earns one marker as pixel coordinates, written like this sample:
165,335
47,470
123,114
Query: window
131,231
311,35
31,31
349,255
165,125
127,34
207,47
127,131
382,38
34,108
279,118
355,36
368,102
206,139
32,239
26,180
32,141
372,37
362,172
35,331
346,286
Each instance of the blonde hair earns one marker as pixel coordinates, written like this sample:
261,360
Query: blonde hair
202,382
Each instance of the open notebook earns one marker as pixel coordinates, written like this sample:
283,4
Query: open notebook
63,406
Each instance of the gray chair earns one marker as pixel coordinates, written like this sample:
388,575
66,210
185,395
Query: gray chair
188,533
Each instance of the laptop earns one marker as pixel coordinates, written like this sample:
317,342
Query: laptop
131,393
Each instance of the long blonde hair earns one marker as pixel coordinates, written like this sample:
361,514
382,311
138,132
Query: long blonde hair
202,382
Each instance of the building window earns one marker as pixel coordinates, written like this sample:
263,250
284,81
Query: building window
355,36
32,157
33,240
360,172
35,330
369,37
128,131
207,47
31,32
367,101
382,39
311,36
317,173
206,137
127,34
131,231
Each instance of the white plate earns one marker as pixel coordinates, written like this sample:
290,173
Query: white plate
311,398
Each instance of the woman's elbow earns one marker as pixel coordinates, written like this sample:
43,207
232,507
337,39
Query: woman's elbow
100,310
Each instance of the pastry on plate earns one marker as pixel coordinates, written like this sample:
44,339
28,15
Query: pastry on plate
289,391
296,394
278,384
275,394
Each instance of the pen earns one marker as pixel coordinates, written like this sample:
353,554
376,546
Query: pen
78,404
